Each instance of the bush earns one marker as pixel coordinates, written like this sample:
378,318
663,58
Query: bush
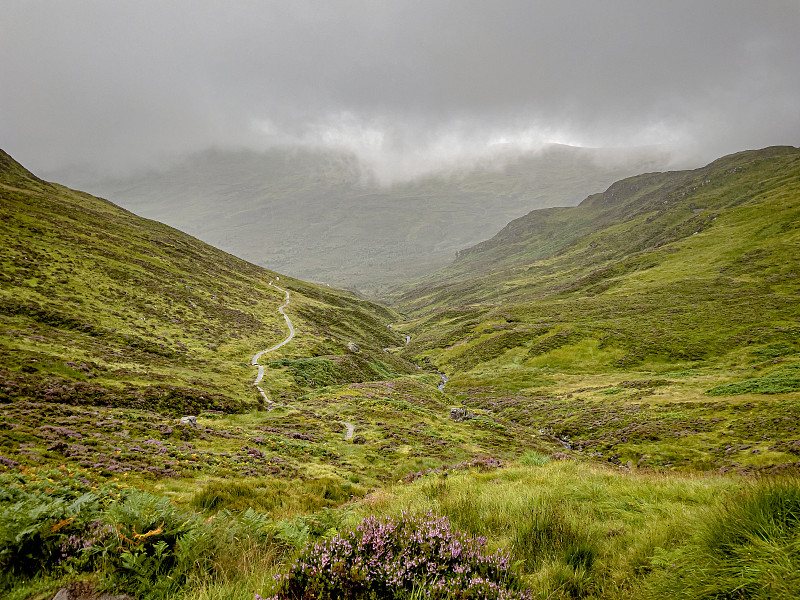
399,557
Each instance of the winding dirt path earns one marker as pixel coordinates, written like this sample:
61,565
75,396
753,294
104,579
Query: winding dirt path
258,355
350,427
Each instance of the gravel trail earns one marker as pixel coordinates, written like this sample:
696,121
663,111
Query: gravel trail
258,355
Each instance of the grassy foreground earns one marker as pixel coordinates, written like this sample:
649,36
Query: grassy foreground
567,529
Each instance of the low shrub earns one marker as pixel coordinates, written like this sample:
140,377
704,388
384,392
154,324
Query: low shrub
773,351
398,558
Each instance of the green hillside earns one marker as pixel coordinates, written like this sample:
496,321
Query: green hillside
622,368
114,326
145,311
316,215
657,322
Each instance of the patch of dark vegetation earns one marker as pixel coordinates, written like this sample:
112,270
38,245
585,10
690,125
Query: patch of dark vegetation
348,325
780,381
637,262
563,338
497,345
46,315
773,351
325,371
307,495
172,400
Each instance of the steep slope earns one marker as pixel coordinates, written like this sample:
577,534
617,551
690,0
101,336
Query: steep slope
113,326
314,214
143,305
625,318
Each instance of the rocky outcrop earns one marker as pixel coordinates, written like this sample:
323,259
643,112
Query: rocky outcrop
461,413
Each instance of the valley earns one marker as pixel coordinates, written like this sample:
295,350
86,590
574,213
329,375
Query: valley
620,367
323,216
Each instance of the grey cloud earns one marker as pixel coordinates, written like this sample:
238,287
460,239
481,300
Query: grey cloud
413,84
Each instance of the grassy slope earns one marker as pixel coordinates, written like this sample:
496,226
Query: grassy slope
573,529
113,326
310,213
610,321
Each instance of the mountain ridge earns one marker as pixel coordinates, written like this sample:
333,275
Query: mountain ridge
532,235
314,213
664,290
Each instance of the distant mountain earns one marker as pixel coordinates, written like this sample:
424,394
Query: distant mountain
312,213
637,216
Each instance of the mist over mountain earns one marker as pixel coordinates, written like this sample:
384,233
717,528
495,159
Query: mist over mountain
325,216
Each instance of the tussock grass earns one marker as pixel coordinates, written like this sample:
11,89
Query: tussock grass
275,496
575,529
748,547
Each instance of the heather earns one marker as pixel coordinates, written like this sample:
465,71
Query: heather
396,557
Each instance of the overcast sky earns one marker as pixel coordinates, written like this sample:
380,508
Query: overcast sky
117,85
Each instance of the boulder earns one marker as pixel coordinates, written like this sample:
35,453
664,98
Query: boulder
190,420
352,346
461,413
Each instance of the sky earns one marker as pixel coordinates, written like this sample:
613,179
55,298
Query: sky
408,86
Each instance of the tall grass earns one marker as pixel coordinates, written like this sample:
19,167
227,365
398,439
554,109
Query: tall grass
749,548
571,530
574,530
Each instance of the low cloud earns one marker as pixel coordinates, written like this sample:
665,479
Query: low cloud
409,87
